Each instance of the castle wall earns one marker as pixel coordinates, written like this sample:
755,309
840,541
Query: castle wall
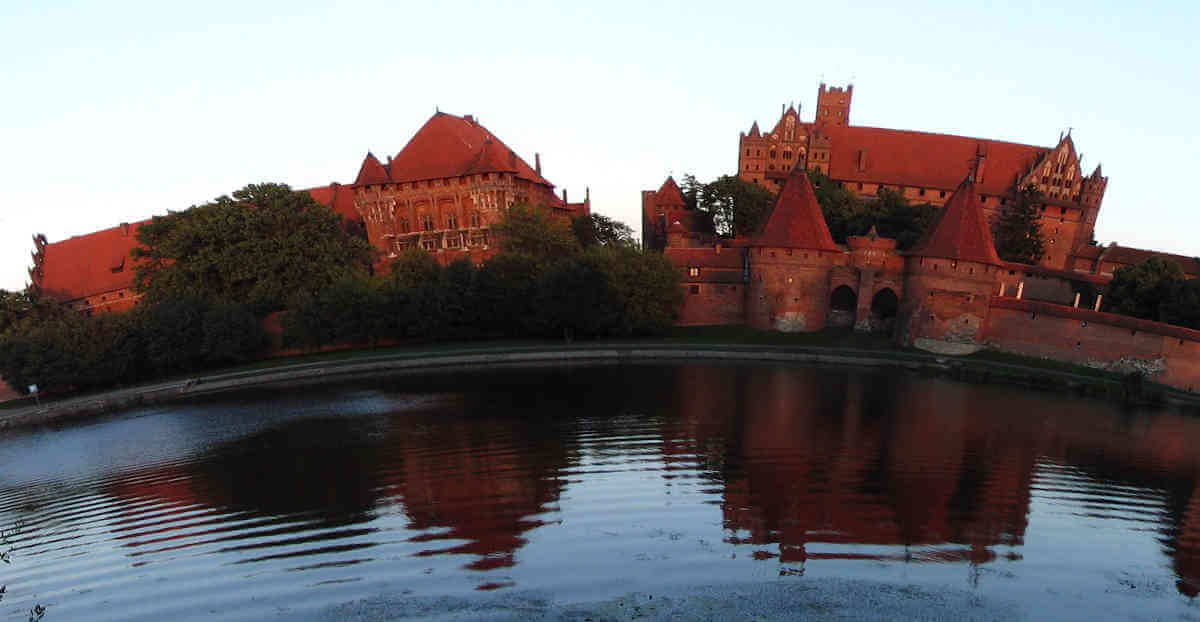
1168,354
7,393
789,288
945,300
712,304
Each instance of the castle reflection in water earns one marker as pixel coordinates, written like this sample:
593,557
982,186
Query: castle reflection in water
809,466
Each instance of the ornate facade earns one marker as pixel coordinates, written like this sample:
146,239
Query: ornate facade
926,168
444,190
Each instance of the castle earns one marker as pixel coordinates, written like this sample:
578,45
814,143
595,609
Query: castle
442,193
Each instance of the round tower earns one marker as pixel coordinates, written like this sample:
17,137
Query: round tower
790,259
949,277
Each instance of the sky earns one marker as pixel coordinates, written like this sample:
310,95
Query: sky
116,111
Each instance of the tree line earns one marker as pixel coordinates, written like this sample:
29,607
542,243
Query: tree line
208,276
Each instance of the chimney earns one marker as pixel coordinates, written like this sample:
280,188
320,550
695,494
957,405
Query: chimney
470,118
537,163
389,161
564,195
125,229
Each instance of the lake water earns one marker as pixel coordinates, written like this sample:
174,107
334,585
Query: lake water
588,482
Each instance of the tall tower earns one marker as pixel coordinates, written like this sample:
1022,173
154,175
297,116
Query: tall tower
833,105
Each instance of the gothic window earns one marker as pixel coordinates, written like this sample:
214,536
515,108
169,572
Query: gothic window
454,241
451,221
479,238
475,221
428,222
772,154
403,225
429,244
787,155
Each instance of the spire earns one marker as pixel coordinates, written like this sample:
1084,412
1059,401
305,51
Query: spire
754,133
371,171
960,230
1096,173
796,220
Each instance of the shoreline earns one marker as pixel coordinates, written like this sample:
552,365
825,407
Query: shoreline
468,357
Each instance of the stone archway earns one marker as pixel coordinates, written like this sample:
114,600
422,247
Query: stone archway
842,305
883,310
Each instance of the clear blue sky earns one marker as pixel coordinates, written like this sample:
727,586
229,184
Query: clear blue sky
116,111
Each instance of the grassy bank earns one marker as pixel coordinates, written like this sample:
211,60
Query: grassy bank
707,341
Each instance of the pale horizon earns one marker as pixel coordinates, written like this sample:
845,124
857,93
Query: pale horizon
129,110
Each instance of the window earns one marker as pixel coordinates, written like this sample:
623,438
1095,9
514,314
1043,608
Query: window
942,194
403,225
693,271
429,244
693,289
772,154
451,221
428,222
475,220
921,192
787,155
479,238
747,152
454,241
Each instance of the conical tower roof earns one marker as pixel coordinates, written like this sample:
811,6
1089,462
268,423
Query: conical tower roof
960,230
371,171
669,195
796,220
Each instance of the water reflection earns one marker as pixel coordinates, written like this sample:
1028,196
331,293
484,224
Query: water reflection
793,467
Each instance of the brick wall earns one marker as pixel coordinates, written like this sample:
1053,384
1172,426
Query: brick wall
712,303
7,392
789,288
1169,354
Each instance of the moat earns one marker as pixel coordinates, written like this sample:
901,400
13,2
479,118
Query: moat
587,483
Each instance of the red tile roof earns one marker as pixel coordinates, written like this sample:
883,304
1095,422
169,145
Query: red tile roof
338,197
927,160
371,171
796,220
90,264
669,195
960,230
450,146
1127,255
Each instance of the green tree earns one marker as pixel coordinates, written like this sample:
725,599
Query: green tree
1017,231
575,299
414,267
737,207
1182,307
534,232
259,248
599,230
1146,291
507,286
645,285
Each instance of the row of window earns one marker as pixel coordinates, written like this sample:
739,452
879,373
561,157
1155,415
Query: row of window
452,240
431,183
428,223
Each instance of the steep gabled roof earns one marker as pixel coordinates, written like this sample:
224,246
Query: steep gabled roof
796,220
960,230
91,264
927,160
371,171
669,195
337,197
450,146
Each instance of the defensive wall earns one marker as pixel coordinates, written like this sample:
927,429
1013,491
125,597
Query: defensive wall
1163,352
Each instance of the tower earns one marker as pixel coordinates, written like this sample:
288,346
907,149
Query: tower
833,105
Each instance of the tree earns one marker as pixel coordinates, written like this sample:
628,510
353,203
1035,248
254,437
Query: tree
645,284
259,248
414,267
1146,291
598,230
847,214
575,299
534,232
1182,307
1017,230
737,207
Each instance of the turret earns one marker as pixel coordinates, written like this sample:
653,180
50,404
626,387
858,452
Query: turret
949,276
833,105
